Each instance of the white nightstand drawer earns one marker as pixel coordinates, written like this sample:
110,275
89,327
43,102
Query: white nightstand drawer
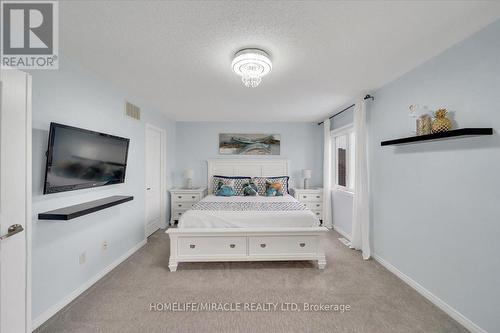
282,245
314,205
318,213
185,197
311,197
231,246
177,213
180,205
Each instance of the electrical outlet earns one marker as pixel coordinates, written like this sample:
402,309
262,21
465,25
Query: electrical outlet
105,245
82,258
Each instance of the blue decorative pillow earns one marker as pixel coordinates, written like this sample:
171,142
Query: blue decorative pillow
224,190
250,189
274,188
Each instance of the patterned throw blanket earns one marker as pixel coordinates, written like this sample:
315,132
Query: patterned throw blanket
249,206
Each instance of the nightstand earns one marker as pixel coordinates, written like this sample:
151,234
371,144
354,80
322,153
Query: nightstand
312,198
182,199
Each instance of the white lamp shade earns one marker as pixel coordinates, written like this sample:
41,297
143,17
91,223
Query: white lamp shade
306,173
189,174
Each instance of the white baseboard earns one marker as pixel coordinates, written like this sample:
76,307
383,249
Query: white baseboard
453,313
342,232
38,321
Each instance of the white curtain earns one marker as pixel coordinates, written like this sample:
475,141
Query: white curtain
361,205
327,174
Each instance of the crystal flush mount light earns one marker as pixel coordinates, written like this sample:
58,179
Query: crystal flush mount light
251,65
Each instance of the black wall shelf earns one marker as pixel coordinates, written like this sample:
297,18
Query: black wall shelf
71,212
461,132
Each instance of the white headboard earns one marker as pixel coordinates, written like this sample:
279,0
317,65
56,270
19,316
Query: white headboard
246,167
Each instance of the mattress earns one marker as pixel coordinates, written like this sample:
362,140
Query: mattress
248,212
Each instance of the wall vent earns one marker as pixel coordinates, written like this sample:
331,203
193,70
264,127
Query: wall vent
132,111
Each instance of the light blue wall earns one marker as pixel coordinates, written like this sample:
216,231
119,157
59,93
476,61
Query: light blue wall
436,206
301,143
74,96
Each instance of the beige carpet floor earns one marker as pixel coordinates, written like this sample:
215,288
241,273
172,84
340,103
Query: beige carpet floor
379,301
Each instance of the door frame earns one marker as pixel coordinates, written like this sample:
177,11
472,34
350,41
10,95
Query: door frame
28,194
336,189
29,197
344,130
163,178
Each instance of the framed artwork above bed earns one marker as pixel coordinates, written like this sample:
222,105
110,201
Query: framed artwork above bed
249,144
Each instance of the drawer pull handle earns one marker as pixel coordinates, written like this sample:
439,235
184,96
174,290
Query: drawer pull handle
305,196
317,205
180,197
180,205
317,213
302,244
192,246
193,197
317,197
262,245
232,246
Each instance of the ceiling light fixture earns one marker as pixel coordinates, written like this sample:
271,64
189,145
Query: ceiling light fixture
251,65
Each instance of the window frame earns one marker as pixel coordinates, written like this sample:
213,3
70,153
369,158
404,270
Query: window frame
346,130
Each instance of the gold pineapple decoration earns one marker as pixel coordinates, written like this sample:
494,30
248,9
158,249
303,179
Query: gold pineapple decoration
441,122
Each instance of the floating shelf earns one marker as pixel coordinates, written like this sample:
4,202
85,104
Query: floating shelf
461,132
71,212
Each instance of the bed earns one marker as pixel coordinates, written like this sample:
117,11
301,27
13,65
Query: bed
247,228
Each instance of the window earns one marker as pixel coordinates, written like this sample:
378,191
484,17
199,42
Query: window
343,143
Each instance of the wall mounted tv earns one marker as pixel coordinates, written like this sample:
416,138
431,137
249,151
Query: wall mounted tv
78,158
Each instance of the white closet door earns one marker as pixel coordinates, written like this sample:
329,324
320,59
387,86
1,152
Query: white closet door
15,200
153,179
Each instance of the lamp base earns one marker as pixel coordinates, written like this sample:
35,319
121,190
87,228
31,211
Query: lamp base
189,184
306,183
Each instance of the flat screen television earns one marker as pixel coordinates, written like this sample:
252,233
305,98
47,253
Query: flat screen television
78,158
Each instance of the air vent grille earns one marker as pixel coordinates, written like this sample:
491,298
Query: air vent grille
133,111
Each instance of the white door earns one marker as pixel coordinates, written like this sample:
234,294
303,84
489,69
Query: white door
154,176
15,200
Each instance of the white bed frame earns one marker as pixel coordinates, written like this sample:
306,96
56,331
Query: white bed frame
246,244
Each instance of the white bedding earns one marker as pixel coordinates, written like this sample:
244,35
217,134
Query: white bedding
247,212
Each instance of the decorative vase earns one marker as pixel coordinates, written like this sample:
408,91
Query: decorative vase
414,111
424,124
441,122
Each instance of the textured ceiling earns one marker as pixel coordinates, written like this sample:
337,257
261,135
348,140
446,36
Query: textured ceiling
177,55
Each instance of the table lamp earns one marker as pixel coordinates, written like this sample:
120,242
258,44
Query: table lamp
306,174
189,176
